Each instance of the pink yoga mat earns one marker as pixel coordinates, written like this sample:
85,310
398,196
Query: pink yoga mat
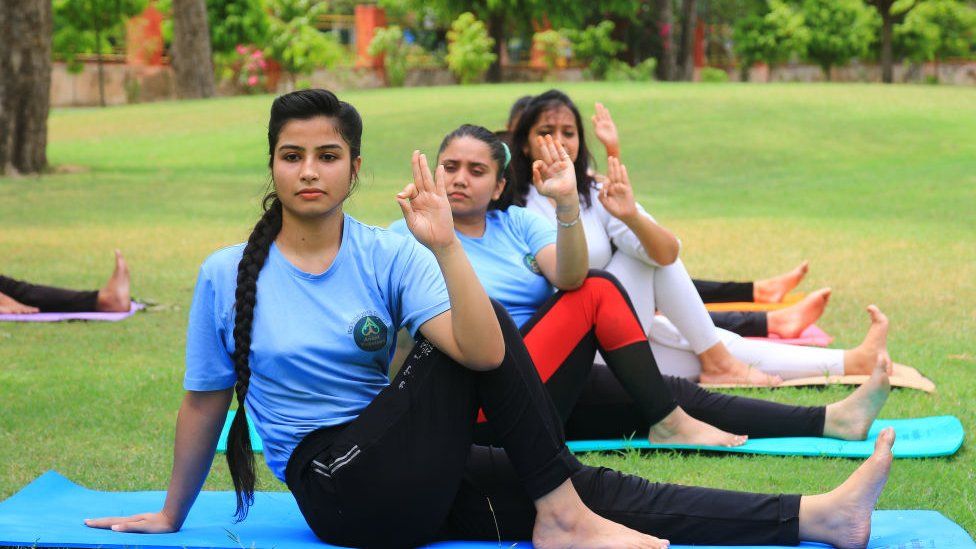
61,317
812,336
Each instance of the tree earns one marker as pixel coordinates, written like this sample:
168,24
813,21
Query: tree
295,42
892,12
686,67
839,31
91,26
389,42
668,66
943,29
594,47
25,85
504,16
192,57
469,48
771,38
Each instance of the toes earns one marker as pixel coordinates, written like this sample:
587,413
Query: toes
886,439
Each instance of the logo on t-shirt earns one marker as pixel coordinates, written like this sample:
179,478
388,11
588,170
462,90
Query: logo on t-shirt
370,333
531,264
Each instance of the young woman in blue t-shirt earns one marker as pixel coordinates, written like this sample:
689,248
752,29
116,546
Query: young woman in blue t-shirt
299,323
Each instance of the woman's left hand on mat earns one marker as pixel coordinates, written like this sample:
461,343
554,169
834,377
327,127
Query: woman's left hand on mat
143,523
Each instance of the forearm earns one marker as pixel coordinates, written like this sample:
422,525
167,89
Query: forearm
473,322
197,430
658,242
572,255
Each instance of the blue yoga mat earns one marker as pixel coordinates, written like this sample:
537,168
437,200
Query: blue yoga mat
49,512
914,438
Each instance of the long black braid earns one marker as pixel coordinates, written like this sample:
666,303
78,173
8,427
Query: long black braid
299,105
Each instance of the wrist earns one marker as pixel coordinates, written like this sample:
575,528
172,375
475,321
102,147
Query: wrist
568,215
447,249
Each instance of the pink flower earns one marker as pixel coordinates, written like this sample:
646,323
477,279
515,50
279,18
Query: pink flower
252,80
263,64
242,49
256,54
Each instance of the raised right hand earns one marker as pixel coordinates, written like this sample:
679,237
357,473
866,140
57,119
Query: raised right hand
143,523
554,175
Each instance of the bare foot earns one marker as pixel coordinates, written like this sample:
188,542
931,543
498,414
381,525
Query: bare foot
680,428
861,359
773,290
10,306
851,418
720,367
562,520
114,296
790,322
842,517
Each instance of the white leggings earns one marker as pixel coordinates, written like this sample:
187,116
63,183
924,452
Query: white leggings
688,330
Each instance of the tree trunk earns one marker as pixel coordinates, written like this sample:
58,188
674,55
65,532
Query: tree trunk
665,18
192,58
685,60
887,71
98,57
496,29
25,85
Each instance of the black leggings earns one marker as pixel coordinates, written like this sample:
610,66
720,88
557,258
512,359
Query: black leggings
48,299
404,472
723,292
630,394
744,323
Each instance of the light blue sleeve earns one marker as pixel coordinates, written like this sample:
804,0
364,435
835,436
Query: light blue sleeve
400,227
538,231
421,290
208,364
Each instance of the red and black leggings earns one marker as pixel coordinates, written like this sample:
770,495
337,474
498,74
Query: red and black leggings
630,394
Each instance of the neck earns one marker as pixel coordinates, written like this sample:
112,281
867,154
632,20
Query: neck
311,244
470,225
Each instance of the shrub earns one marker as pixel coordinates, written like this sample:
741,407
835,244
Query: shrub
469,48
389,43
713,74
555,47
594,47
642,72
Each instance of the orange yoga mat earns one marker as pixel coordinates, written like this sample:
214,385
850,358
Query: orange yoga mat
790,299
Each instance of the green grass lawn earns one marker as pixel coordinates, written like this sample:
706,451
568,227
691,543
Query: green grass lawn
875,185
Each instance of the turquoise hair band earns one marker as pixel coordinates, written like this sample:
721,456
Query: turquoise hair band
508,155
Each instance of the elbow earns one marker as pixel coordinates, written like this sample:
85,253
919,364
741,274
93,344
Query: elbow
489,359
569,284
667,259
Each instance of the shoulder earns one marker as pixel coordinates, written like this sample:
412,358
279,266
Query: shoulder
223,260
383,245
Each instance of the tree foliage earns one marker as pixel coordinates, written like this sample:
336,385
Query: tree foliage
771,37
595,47
295,42
389,43
469,48
90,26
236,22
839,30
936,30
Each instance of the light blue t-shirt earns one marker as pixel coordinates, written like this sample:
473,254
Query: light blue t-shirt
320,343
504,259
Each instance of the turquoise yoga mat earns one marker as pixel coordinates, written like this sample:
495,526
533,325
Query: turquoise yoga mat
49,513
914,438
